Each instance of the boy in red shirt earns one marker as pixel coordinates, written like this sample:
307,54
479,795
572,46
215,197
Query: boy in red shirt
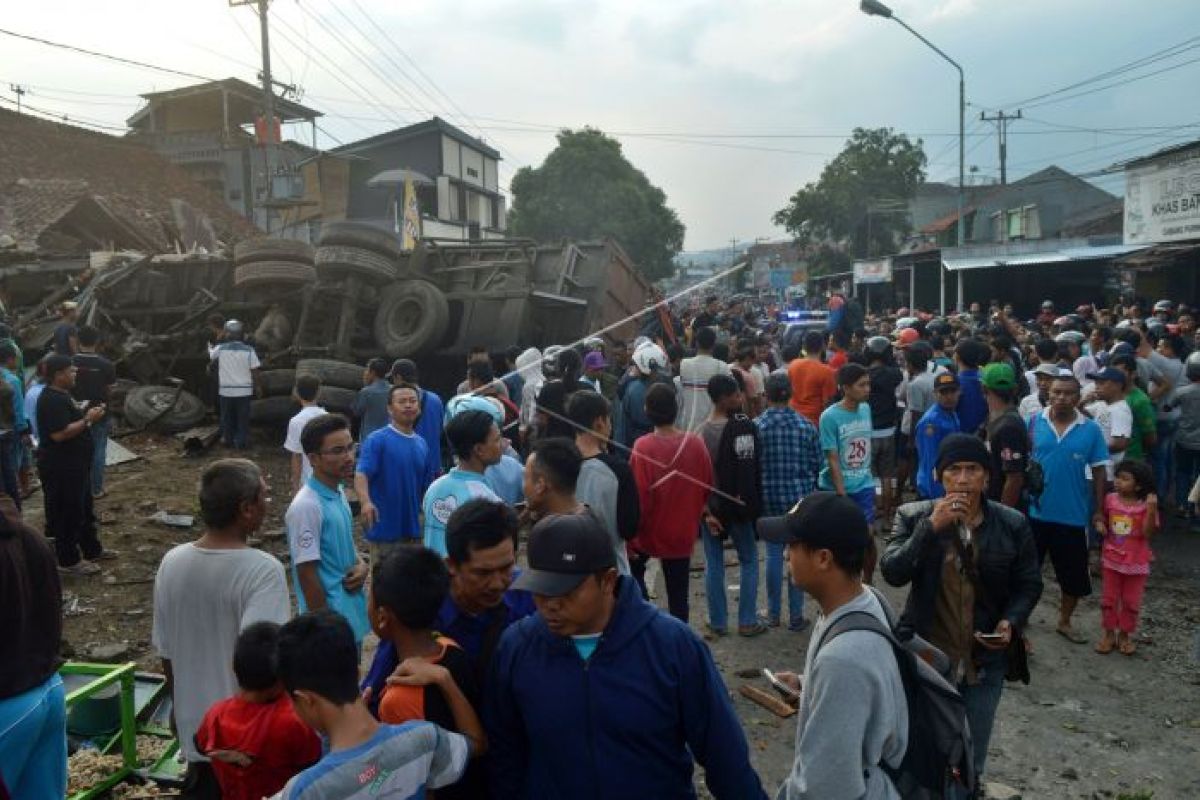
255,740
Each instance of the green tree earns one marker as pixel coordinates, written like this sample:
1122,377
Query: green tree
854,201
587,188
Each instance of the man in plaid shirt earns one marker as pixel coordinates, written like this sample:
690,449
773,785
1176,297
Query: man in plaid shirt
790,457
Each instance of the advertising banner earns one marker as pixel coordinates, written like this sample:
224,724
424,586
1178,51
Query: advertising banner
877,270
1162,199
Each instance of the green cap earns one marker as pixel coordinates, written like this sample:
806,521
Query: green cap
998,378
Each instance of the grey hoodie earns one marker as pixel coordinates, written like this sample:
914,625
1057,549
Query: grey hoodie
852,715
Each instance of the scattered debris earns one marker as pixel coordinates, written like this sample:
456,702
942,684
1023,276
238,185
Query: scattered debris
768,701
73,608
999,791
108,653
87,768
173,520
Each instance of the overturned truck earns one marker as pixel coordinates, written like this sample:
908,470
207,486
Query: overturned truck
327,309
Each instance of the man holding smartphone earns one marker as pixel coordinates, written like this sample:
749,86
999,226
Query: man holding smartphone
971,614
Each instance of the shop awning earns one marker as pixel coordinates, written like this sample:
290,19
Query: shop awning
1058,256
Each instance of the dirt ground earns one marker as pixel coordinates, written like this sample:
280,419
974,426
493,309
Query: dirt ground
1088,726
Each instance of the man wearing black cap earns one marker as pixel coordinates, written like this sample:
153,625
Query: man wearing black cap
600,694
853,720
975,578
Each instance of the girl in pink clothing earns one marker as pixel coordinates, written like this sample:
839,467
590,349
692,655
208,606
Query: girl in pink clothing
1130,519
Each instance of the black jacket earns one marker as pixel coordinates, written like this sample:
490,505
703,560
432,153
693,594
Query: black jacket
1007,559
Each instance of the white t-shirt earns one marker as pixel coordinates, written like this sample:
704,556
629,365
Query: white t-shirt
1115,420
292,442
236,362
202,600
1030,406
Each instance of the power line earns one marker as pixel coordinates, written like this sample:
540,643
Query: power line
350,48
118,59
417,68
1134,79
55,116
336,72
1159,55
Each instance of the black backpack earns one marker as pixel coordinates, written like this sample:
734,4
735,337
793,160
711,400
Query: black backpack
737,473
939,752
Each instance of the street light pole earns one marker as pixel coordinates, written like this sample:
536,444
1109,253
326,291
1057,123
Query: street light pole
875,8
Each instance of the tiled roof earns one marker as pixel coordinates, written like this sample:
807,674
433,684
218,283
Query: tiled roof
47,168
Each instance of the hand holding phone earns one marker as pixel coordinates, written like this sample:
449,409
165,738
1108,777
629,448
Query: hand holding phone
786,683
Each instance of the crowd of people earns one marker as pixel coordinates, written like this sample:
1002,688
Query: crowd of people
971,446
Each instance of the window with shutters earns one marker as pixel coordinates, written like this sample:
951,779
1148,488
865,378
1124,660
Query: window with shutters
1016,224
1033,222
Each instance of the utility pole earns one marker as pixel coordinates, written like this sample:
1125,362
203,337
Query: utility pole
20,91
268,94
1001,119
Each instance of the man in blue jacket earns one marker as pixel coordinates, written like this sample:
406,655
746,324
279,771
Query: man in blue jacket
936,424
602,695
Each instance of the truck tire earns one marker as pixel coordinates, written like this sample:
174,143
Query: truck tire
337,260
335,399
266,249
332,373
151,406
276,382
281,274
412,318
274,411
360,234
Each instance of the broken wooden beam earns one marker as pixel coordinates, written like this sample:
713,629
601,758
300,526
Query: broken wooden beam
768,701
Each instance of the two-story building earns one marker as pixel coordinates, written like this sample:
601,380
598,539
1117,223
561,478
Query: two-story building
215,132
456,177
1015,237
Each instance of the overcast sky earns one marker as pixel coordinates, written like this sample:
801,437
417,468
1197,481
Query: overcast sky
750,98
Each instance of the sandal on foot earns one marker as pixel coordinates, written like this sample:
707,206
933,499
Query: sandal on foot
757,629
1105,646
1071,635
1127,647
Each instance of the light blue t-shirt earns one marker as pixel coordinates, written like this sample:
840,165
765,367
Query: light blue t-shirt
1067,496
319,528
31,400
849,433
398,472
445,495
586,644
507,479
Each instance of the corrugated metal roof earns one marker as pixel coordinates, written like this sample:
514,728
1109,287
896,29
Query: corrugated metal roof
1033,259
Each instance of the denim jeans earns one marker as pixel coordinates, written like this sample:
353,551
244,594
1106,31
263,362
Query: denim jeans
1164,467
99,449
982,700
33,741
776,574
235,421
742,534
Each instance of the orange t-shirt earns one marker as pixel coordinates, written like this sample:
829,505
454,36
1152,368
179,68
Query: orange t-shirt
813,386
400,704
